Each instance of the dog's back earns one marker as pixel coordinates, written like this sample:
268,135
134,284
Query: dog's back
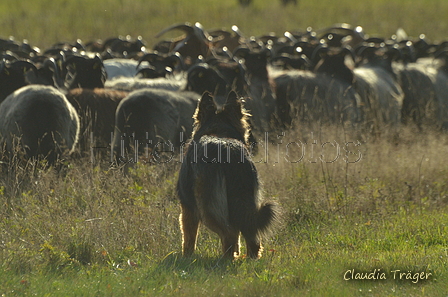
218,182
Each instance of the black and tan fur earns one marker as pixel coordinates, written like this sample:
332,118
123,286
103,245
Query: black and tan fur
218,183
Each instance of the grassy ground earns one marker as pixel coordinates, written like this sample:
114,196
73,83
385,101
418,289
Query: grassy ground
351,203
378,207
46,22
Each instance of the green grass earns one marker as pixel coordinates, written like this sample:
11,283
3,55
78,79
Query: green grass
46,22
95,232
308,258
91,231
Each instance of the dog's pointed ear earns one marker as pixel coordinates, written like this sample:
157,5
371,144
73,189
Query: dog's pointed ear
206,106
233,104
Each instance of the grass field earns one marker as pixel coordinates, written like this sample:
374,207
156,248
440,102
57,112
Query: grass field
370,207
353,206
45,22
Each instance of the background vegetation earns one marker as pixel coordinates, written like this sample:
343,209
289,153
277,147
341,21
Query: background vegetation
92,231
45,22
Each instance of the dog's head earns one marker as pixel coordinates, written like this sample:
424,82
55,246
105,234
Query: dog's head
229,121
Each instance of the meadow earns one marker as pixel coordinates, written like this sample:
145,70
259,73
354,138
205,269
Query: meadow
354,205
45,22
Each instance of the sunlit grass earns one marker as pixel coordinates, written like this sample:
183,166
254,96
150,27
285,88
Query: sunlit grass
95,231
92,231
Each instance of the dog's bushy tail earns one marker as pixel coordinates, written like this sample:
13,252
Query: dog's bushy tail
268,218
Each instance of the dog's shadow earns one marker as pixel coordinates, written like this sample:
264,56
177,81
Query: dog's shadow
197,264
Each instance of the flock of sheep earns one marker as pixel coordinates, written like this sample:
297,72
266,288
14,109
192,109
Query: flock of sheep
121,94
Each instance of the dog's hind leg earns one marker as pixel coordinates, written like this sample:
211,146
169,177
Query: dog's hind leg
253,245
189,223
230,244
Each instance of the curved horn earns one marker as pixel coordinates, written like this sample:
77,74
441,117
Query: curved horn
51,64
149,57
241,52
348,50
284,57
367,51
148,72
97,58
232,99
24,65
10,56
237,31
199,77
200,32
2,65
345,29
186,27
320,49
75,59
394,53
175,61
196,68
290,36
341,26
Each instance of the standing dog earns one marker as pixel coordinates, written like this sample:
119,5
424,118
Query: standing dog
218,183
